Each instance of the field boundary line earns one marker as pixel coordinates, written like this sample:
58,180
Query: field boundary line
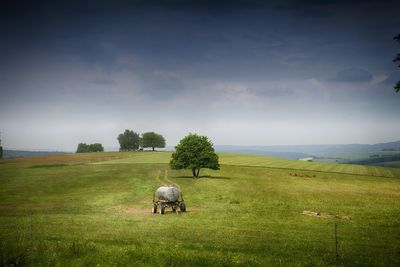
269,167
282,168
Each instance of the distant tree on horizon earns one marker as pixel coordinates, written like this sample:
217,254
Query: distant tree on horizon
194,152
128,141
84,148
1,150
397,59
153,140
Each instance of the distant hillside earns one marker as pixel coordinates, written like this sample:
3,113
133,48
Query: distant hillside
23,153
283,155
284,151
290,151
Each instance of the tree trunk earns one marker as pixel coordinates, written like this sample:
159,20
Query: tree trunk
153,148
198,171
194,172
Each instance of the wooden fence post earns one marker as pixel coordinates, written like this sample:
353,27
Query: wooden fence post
336,247
30,226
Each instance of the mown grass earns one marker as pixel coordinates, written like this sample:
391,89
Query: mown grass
262,161
99,214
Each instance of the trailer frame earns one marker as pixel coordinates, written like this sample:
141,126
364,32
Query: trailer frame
160,205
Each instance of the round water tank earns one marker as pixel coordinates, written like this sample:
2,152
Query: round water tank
167,193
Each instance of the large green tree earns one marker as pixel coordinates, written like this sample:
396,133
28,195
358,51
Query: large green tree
128,141
96,147
397,59
83,148
194,152
152,139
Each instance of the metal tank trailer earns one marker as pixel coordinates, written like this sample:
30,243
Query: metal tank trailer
167,196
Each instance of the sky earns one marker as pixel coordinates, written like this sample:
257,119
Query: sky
240,72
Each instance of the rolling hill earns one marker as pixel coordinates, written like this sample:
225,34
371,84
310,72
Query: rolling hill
94,210
306,150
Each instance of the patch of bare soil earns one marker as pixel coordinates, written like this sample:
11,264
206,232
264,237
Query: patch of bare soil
145,212
68,158
137,211
326,215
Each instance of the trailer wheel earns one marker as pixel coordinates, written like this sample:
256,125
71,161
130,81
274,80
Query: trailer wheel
173,209
182,206
162,209
154,208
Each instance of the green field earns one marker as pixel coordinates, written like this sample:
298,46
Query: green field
349,157
94,210
262,161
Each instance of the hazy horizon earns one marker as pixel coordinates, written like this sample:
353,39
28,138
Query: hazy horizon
217,147
240,72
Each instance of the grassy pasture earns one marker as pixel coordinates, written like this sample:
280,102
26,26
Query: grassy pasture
262,161
94,210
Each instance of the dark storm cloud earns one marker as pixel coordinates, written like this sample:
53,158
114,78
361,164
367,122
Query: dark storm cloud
226,39
245,61
239,41
272,92
163,85
210,5
103,81
353,75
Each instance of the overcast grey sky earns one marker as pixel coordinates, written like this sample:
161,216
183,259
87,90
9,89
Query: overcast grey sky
240,72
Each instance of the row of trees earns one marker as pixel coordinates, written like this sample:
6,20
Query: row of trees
96,147
193,152
131,141
128,141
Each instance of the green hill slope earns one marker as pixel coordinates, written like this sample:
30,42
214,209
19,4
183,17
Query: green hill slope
94,209
262,161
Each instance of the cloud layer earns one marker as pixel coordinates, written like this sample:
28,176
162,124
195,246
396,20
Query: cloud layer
241,72
353,75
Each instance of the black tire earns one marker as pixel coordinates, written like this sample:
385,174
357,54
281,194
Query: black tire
173,209
154,208
162,209
182,207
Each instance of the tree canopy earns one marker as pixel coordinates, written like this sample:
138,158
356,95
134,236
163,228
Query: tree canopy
152,139
397,59
1,150
82,148
194,152
128,141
